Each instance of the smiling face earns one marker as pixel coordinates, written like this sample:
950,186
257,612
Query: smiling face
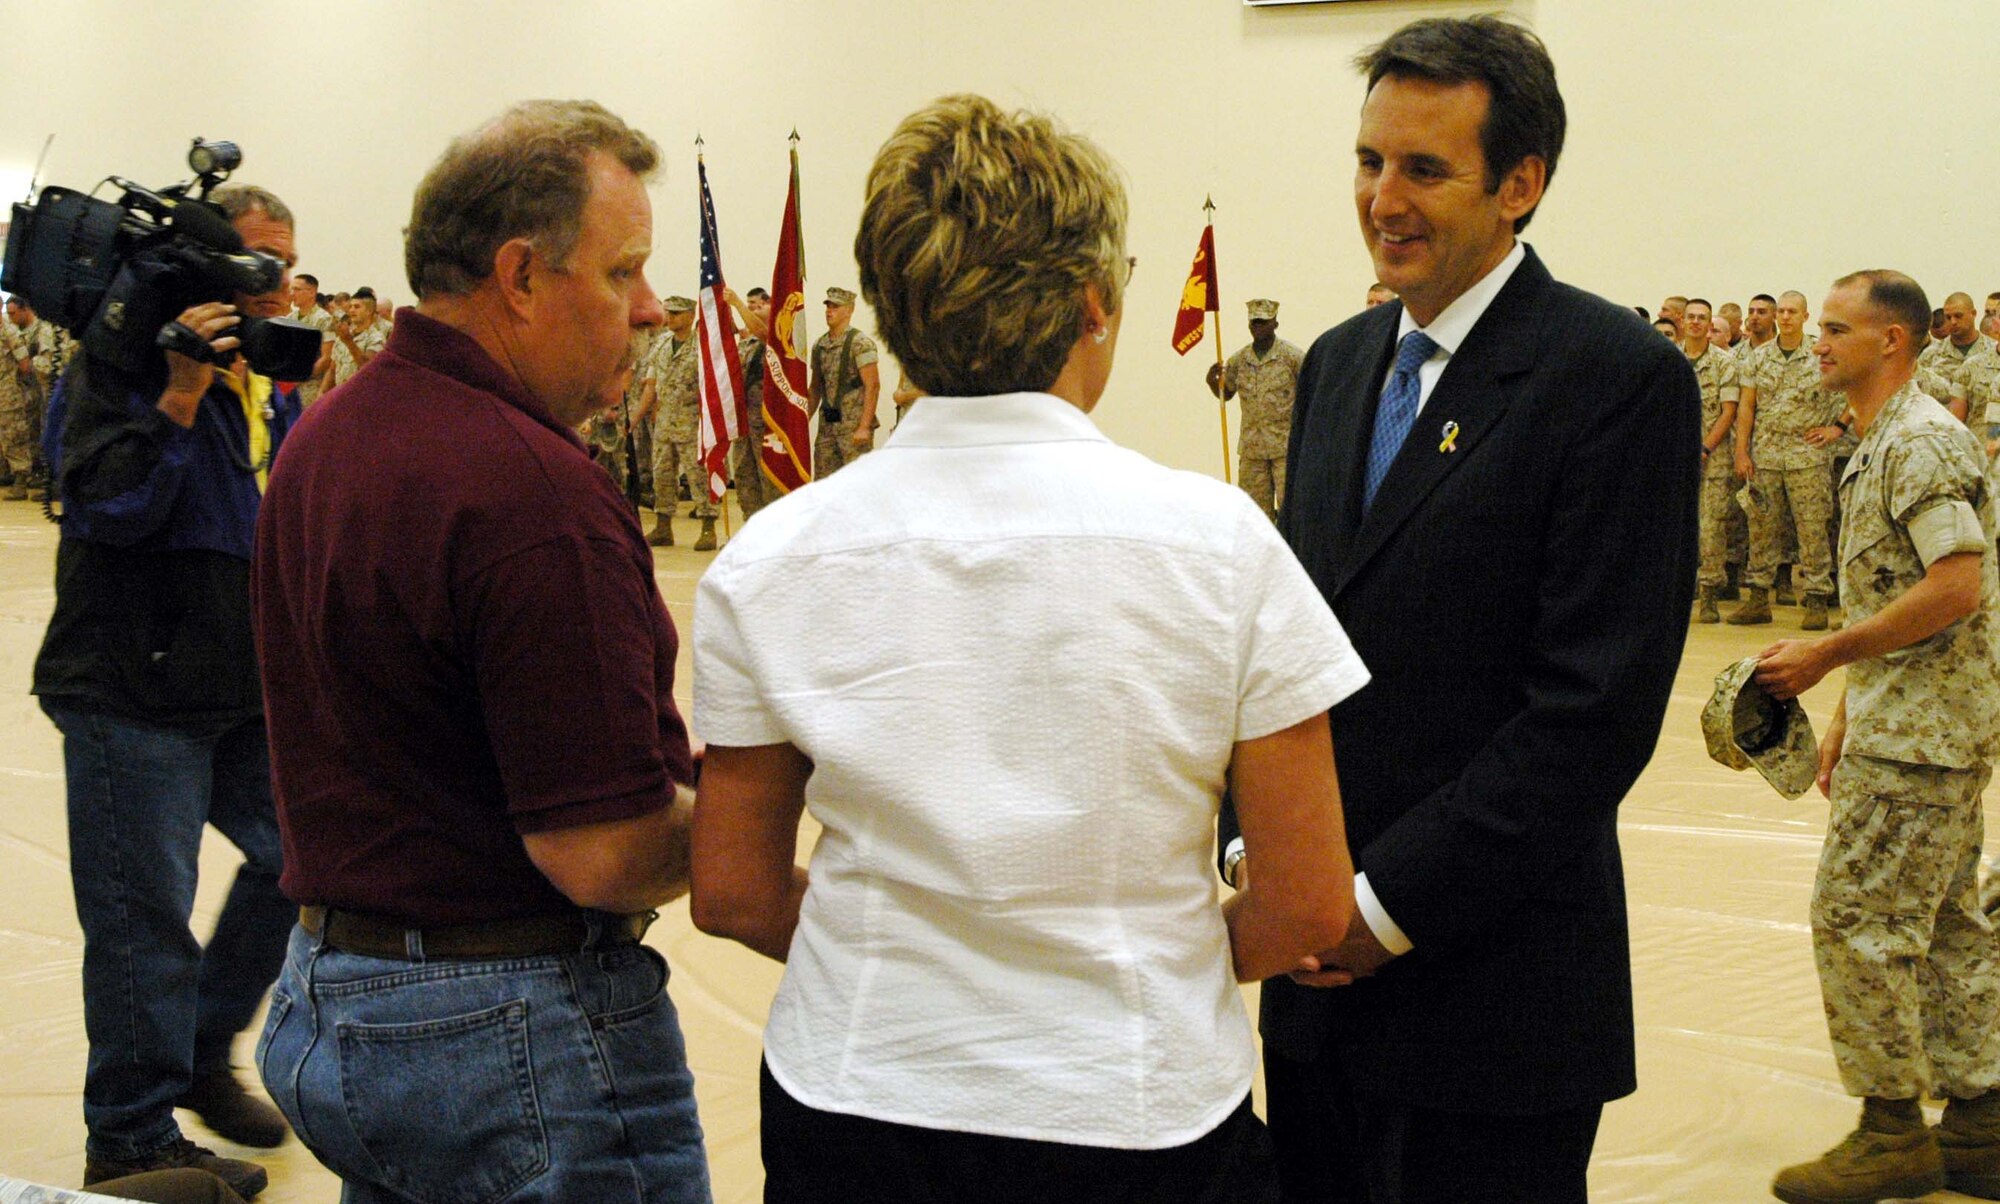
1695,320
1853,345
1429,221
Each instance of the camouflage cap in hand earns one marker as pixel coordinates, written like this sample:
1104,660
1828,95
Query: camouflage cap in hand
1745,726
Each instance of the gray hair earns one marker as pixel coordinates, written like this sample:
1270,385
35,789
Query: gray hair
525,174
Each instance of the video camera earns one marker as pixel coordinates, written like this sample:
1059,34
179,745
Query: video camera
118,276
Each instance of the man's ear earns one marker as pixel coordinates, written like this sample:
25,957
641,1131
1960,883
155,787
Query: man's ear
1521,189
513,270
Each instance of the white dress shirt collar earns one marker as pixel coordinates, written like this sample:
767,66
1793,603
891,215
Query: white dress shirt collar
988,421
1448,329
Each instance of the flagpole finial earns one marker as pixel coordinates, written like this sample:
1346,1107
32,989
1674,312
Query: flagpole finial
795,136
697,139
1208,205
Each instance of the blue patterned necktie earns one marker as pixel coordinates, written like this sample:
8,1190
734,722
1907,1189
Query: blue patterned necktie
1397,413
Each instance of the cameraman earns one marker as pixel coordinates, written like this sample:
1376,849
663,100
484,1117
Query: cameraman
149,671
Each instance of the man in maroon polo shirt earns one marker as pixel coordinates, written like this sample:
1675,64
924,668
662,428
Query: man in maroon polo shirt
473,738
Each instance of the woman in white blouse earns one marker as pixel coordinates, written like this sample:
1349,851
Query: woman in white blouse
1010,668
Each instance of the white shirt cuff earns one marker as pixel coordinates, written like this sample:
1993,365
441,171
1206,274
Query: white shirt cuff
1377,918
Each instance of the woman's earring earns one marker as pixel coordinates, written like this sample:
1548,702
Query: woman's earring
1102,333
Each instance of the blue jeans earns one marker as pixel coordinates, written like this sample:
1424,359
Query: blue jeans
461,1081
157,1006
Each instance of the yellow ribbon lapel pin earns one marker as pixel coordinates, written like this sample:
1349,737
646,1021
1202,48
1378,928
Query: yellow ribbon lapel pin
1450,434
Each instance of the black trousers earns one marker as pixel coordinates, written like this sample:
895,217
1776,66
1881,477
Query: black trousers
815,1157
1336,1145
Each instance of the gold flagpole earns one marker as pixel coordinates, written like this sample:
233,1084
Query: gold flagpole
1221,393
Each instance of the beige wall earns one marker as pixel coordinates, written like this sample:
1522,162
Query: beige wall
1719,148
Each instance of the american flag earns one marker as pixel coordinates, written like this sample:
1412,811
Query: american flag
723,416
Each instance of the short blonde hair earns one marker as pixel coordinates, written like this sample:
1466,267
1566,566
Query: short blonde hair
979,232
525,174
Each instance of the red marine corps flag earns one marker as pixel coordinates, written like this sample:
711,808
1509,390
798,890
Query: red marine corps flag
787,450
1198,296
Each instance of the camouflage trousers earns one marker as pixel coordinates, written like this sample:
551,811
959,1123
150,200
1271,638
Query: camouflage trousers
753,492
1739,532
1718,502
1263,478
607,447
834,447
642,442
1806,495
673,457
17,443
1909,967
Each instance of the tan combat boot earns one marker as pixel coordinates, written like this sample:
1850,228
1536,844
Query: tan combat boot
663,530
1755,609
707,541
1705,611
1893,1153
1969,1139
1815,619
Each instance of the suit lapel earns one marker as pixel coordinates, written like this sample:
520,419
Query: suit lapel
1469,400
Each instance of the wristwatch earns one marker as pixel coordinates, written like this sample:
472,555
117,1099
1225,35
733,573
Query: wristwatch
1230,861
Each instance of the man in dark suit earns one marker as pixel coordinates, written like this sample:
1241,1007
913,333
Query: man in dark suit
1494,482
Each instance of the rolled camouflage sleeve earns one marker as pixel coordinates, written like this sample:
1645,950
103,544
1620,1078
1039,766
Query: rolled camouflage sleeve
1935,487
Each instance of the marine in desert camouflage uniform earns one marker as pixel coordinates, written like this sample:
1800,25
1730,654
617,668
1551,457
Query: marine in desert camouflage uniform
1908,963
1265,374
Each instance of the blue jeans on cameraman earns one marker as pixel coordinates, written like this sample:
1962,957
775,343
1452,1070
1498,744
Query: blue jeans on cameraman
460,1081
157,1006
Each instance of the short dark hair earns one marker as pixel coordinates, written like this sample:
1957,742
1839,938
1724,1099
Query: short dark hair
1701,301
1643,312
309,278
759,292
1767,298
364,293
1525,115
1896,297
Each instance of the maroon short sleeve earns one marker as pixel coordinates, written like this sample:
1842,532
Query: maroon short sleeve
566,637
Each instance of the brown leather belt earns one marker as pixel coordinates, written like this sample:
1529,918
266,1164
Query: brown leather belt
529,936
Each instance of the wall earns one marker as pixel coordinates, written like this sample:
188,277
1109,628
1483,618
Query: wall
1715,148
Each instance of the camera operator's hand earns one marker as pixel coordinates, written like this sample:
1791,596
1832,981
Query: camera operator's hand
188,379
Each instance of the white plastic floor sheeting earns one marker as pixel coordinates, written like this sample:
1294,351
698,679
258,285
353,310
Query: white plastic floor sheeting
1735,1077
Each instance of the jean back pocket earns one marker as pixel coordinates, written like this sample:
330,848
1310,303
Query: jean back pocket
446,1108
